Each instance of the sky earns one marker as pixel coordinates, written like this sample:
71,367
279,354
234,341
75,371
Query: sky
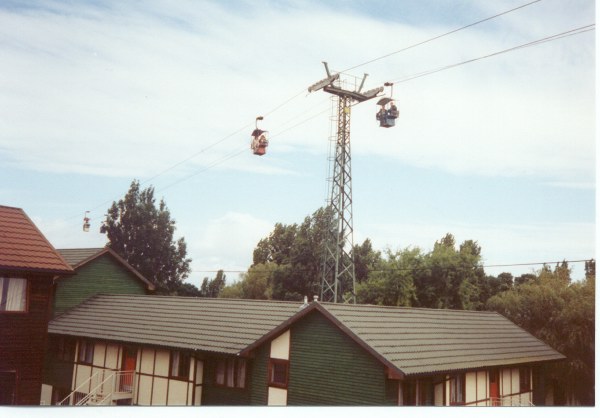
499,150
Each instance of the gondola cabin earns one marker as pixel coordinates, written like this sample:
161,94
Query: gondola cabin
259,142
388,113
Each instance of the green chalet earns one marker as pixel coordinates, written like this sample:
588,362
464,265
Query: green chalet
97,270
163,350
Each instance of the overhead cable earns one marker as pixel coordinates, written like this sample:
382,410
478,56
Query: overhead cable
440,36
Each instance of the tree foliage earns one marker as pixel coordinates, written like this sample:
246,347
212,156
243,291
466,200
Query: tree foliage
562,314
287,264
142,234
212,288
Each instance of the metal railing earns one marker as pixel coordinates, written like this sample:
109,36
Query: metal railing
522,399
74,397
104,389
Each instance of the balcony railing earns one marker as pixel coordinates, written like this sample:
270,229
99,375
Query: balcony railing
102,388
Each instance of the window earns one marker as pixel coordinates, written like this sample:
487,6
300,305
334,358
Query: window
86,352
457,389
278,373
180,365
65,349
524,379
231,373
13,294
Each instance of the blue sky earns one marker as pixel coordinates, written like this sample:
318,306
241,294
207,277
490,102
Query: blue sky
501,151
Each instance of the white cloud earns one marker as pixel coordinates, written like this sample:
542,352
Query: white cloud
122,91
225,242
118,90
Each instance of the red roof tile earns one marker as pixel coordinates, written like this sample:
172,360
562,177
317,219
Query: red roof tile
24,247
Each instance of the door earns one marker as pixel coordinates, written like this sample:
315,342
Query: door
128,365
495,388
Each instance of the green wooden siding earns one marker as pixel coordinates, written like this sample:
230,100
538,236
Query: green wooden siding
57,372
328,368
102,275
258,374
216,395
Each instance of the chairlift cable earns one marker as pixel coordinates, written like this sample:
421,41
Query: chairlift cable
542,263
422,74
439,36
571,32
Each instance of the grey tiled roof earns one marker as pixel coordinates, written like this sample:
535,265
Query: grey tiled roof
74,256
219,325
414,341
419,341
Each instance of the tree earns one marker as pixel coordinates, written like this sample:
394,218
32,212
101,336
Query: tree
391,281
561,314
256,283
287,264
451,278
142,234
365,260
212,288
188,289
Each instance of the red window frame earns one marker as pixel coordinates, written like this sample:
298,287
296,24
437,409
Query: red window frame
279,372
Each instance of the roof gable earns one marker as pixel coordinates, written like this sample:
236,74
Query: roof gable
420,341
412,341
24,248
78,257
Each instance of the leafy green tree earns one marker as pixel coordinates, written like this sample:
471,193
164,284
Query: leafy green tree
212,288
287,264
142,234
390,282
232,291
365,260
562,314
255,283
525,278
188,289
451,278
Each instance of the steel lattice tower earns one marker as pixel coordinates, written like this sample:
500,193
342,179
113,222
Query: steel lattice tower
339,280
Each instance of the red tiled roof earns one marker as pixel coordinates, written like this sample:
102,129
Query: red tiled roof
24,247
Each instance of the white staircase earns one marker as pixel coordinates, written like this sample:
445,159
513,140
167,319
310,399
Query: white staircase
102,388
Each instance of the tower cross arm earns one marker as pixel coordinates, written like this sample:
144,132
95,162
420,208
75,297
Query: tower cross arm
359,97
325,82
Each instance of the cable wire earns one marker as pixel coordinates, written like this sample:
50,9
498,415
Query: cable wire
543,263
440,36
285,102
571,32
